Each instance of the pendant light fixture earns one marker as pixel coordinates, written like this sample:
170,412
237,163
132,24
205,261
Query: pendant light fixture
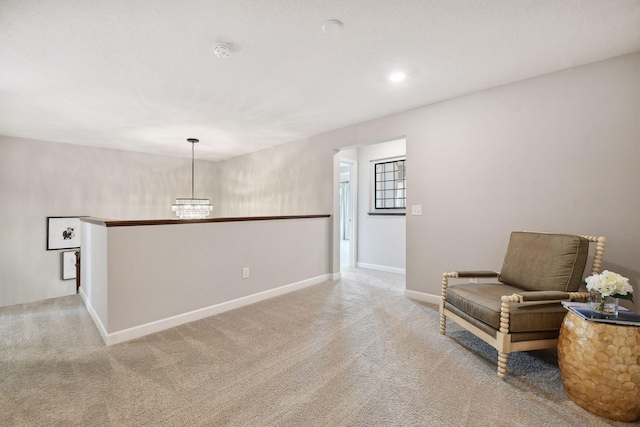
192,208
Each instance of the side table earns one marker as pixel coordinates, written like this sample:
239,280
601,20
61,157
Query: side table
600,367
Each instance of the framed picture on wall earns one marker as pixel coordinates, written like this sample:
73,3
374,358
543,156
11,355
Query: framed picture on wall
63,232
68,265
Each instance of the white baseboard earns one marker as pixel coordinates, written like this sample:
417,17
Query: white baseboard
382,268
94,315
336,276
170,322
423,297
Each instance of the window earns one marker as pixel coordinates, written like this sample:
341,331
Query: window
390,185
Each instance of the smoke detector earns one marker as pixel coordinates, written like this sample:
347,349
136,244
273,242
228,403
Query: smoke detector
332,27
222,50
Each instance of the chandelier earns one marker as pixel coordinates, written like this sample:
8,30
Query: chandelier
192,208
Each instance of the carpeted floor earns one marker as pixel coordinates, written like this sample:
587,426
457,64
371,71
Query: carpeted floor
354,352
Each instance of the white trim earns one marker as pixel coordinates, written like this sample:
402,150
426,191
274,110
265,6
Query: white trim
372,186
421,296
94,315
170,322
383,268
392,158
353,179
336,276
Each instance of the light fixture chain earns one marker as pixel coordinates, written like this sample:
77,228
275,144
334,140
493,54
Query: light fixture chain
192,208
192,173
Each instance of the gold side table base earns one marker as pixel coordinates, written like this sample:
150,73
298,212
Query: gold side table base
600,367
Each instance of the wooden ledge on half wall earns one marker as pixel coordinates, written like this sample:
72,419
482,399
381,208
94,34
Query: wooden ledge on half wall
129,223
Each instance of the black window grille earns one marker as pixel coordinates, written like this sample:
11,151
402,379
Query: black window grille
391,185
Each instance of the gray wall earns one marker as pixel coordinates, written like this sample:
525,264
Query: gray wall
292,179
41,179
555,153
155,273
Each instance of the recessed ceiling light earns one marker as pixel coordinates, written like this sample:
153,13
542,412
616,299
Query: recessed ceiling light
397,77
332,26
222,50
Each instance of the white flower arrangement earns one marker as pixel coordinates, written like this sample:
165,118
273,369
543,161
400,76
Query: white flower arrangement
610,284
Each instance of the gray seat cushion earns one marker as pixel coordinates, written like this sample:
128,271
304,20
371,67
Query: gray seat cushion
544,262
483,301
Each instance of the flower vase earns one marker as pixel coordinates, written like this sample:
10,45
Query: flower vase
605,305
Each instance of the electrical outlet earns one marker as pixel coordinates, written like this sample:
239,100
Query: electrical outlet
245,272
473,280
416,210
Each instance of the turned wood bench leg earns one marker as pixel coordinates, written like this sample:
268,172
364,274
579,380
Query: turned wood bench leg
445,284
502,365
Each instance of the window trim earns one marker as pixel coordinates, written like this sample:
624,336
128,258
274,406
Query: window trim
373,210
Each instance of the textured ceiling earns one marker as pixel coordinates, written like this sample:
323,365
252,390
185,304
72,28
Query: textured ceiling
141,75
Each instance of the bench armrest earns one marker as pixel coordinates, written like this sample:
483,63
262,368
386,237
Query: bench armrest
543,296
478,274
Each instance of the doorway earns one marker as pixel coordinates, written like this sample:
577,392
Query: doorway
363,236
347,196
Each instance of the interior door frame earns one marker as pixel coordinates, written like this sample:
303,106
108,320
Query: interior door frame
353,190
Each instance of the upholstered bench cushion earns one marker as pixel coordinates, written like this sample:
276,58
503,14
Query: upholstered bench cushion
544,262
482,301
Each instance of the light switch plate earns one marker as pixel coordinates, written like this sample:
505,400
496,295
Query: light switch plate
416,210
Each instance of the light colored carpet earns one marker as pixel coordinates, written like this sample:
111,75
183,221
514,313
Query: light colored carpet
354,352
